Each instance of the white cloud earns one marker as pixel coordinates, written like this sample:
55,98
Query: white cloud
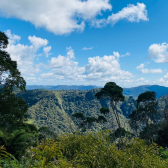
140,66
31,78
99,69
127,54
145,70
162,81
85,48
116,54
57,16
151,71
63,67
105,68
131,13
37,42
24,54
140,79
70,53
66,16
12,37
47,50
98,23
159,52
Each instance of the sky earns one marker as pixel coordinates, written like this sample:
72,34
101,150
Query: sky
88,42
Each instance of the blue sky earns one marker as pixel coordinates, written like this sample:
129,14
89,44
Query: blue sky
88,42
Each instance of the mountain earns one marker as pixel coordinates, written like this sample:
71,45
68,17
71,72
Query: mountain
135,91
60,87
52,108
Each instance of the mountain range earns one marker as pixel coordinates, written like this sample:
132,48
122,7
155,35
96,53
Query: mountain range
134,91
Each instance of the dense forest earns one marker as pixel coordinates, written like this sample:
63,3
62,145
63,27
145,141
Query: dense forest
54,109
99,128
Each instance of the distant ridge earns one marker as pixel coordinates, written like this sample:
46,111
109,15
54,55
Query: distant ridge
134,91
61,87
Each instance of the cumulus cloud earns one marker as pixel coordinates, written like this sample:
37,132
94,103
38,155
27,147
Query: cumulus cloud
24,54
47,50
64,67
12,37
85,48
159,52
131,13
164,79
145,70
57,16
106,68
141,66
37,42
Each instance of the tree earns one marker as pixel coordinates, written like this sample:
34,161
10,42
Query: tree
46,133
146,107
145,115
113,93
9,74
84,122
13,110
17,141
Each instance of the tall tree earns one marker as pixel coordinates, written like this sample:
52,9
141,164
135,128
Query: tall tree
13,110
145,115
147,107
84,122
113,93
9,74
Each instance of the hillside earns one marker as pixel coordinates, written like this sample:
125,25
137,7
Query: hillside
53,108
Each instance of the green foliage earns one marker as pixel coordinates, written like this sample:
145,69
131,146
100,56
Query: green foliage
54,108
79,115
47,153
9,68
104,110
120,132
86,122
146,96
111,90
145,113
46,133
3,153
17,141
93,151
113,93
13,109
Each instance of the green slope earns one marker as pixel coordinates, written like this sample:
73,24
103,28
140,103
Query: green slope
53,108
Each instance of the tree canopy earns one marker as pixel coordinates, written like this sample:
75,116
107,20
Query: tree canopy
9,74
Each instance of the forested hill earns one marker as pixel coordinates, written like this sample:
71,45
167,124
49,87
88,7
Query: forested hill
134,91
52,108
